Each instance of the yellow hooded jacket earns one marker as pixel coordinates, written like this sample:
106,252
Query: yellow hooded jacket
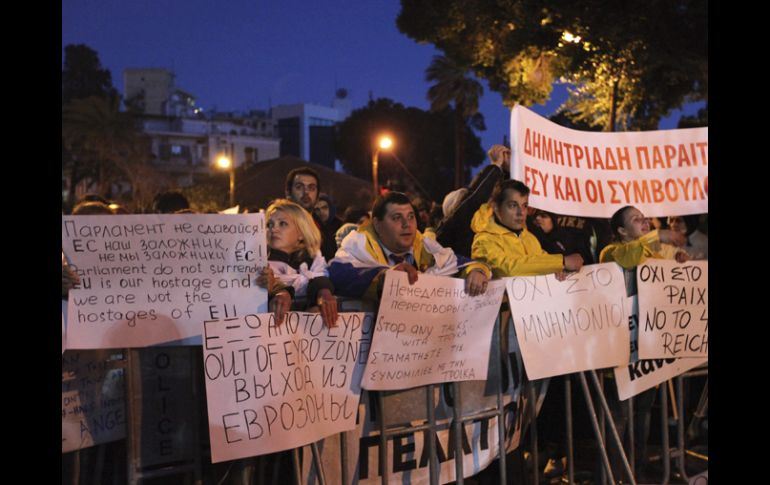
631,254
505,252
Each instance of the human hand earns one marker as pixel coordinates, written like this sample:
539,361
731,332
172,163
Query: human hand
476,282
266,278
573,262
410,270
682,257
327,304
501,156
670,237
281,304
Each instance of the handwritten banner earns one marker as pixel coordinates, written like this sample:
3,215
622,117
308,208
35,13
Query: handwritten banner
673,309
149,279
93,407
640,375
430,332
593,174
573,325
271,388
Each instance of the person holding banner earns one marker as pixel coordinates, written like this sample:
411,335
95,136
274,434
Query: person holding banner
503,241
635,242
391,241
697,242
296,262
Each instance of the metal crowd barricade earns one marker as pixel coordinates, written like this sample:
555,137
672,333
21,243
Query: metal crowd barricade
681,452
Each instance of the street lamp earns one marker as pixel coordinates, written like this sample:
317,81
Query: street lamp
384,143
225,163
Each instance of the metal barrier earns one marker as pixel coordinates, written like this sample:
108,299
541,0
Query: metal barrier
469,403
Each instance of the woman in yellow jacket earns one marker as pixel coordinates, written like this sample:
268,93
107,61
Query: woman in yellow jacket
635,243
503,242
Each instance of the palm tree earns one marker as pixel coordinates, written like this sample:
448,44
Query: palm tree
453,86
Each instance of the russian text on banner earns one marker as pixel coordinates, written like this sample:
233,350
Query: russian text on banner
594,174
430,332
149,279
271,388
573,325
673,309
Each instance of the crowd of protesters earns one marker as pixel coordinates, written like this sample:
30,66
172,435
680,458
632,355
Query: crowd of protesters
483,231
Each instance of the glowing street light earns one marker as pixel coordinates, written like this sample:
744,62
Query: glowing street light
384,143
225,163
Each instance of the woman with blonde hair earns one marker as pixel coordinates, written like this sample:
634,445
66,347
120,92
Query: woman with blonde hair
296,262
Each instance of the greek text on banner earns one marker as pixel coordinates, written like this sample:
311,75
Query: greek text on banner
594,174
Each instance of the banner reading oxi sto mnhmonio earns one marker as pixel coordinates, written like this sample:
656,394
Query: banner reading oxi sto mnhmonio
591,174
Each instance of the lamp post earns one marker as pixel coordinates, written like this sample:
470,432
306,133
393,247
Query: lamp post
384,143
225,163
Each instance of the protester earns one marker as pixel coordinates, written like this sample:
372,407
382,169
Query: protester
169,202
296,262
634,244
502,240
325,215
391,241
302,187
697,242
557,240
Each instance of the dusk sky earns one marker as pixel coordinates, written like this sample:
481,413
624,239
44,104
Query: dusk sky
247,54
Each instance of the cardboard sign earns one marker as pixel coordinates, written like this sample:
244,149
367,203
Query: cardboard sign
93,408
673,309
430,332
271,388
573,325
148,279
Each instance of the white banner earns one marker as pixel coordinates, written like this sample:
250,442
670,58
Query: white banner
593,174
673,309
407,453
430,332
640,375
573,325
93,407
149,279
271,388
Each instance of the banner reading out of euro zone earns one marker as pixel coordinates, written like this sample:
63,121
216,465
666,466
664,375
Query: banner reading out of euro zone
590,174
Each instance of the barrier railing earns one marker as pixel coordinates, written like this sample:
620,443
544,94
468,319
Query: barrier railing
480,407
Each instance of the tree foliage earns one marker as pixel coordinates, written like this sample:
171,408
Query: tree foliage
648,56
424,143
454,88
83,75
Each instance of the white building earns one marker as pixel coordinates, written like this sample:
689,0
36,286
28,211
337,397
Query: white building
307,131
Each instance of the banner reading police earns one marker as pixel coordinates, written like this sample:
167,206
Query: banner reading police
592,174
430,332
149,279
673,309
271,388
573,325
